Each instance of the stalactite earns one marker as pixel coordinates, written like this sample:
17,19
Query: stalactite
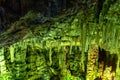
64,71
104,34
60,59
50,56
2,63
12,53
117,75
70,47
83,46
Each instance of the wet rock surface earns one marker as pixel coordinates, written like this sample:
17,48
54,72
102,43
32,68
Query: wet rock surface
72,46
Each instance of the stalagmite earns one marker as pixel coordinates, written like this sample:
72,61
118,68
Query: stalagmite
92,60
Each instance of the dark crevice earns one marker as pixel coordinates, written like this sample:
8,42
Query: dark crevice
108,59
98,8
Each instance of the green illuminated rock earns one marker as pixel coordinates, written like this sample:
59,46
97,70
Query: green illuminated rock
70,47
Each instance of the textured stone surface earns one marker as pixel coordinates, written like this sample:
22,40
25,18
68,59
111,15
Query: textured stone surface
71,46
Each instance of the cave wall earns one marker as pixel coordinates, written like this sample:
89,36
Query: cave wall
22,6
74,47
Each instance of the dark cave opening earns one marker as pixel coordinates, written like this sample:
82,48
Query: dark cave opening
108,59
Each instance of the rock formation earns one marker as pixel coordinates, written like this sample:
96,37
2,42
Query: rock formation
81,44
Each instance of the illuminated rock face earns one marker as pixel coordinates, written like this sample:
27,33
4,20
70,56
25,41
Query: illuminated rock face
72,47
